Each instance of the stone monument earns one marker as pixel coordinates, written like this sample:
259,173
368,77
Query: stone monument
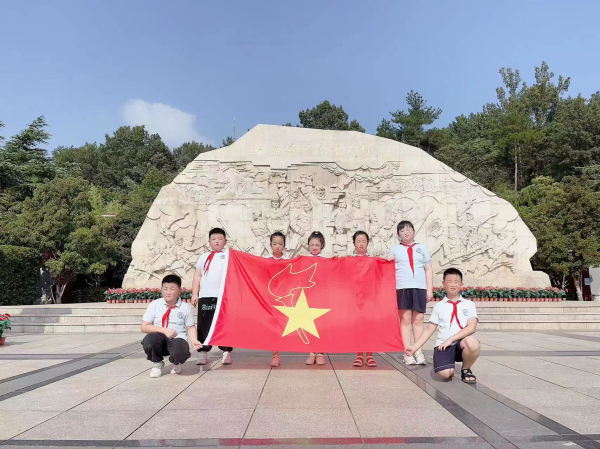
296,180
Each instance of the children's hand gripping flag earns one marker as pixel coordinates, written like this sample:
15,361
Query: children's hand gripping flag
308,304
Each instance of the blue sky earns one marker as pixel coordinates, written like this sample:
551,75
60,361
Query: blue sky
187,68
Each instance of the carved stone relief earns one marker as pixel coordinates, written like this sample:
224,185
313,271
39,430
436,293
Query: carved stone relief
347,182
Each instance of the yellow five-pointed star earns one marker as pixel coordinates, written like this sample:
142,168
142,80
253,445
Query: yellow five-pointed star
301,316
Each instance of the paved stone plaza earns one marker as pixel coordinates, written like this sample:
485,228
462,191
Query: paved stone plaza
536,390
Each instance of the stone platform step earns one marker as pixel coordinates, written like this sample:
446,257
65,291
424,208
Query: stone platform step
103,317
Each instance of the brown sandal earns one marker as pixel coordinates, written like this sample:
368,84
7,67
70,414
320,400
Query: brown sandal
358,361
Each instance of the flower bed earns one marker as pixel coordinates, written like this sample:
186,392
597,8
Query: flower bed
139,295
5,323
520,294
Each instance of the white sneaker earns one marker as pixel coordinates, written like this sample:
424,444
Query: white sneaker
156,370
202,358
176,369
226,358
420,358
409,360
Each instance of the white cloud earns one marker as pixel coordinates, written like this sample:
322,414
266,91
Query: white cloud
173,125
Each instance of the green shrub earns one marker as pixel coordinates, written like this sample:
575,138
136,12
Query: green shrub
19,270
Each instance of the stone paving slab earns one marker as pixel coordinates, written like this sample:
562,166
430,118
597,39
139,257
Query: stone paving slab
16,422
302,423
89,425
528,398
11,368
175,424
396,422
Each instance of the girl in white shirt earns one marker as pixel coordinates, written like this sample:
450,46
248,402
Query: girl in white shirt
361,242
316,243
277,246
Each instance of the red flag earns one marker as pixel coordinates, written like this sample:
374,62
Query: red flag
308,304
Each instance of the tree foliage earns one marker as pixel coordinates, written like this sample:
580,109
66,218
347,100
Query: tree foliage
19,267
126,157
564,217
328,116
24,164
58,221
227,141
409,127
188,151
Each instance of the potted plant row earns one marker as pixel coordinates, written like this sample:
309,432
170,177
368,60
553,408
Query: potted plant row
5,323
139,295
503,294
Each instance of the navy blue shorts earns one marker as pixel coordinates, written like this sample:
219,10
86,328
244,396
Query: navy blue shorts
412,299
446,359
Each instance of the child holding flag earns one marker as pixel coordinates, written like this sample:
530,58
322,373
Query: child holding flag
168,322
361,242
277,246
316,243
456,321
206,288
414,285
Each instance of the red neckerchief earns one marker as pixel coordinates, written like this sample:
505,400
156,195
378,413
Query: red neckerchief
410,256
209,259
455,313
165,318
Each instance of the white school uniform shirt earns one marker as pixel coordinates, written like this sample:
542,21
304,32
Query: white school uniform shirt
210,283
180,318
318,255
361,255
442,316
405,278
283,257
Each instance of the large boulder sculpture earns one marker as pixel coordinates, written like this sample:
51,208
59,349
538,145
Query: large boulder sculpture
295,180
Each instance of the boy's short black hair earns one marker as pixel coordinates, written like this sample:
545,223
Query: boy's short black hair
217,231
405,224
453,271
171,279
277,234
357,233
319,236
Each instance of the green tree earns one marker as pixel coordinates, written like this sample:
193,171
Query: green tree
355,126
79,161
328,116
19,270
517,140
543,97
228,141
564,217
24,165
89,252
475,159
410,127
188,151
387,130
59,222
572,140
126,157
